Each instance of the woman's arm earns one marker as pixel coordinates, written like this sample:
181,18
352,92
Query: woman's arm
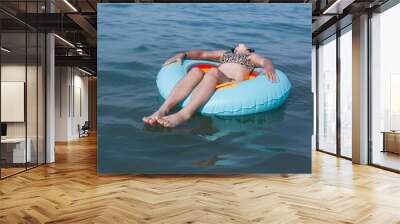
266,64
208,55
196,54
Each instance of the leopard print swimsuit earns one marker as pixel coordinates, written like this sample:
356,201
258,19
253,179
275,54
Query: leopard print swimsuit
229,57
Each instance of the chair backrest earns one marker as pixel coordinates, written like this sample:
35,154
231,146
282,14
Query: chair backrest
86,125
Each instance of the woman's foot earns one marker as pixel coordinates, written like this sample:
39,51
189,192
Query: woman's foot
152,119
173,120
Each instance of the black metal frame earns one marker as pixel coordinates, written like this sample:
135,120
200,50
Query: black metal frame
26,88
45,90
0,91
369,100
44,72
316,98
338,74
37,90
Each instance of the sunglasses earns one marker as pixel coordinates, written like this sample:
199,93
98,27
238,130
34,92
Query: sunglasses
249,49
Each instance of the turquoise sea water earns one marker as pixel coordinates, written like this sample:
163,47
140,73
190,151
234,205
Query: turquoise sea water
135,39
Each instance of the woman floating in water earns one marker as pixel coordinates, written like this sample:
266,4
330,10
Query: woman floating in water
236,65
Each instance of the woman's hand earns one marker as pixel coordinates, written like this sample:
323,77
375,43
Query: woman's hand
177,58
270,73
266,66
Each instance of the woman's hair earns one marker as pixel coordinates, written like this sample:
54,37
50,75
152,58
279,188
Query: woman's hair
251,50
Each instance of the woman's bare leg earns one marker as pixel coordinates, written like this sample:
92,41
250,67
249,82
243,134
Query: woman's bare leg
199,97
181,90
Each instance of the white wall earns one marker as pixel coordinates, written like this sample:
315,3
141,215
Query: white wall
70,84
12,101
79,111
13,72
62,82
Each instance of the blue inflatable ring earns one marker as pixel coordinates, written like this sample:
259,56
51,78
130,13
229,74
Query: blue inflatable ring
255,95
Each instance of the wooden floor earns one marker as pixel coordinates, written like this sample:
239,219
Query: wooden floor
70,191
5,172
387,159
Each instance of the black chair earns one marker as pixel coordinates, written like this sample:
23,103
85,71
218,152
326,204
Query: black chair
84,130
